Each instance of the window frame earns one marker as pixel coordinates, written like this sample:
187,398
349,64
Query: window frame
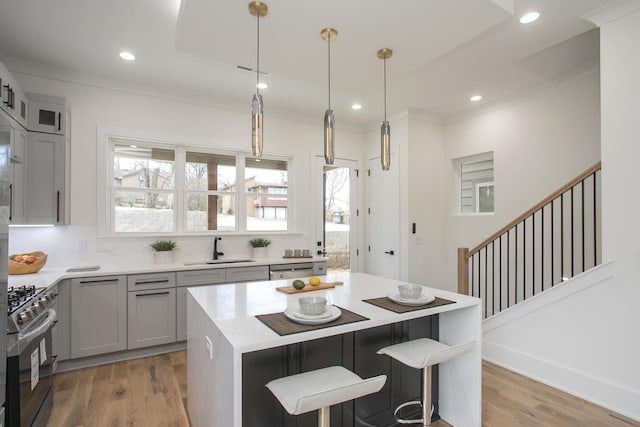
106,187
457,165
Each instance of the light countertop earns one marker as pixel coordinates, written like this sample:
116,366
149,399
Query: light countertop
232,308
50,276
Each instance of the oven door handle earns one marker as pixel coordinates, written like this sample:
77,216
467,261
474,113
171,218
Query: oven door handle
46,324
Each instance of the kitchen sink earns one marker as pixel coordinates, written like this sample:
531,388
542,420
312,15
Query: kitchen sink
219,261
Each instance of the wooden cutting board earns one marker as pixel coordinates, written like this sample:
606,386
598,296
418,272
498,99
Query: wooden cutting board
308,287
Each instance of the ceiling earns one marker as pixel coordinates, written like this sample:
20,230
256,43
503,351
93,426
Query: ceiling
444,51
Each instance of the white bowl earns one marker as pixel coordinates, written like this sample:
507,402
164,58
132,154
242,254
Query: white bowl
312,306
409,291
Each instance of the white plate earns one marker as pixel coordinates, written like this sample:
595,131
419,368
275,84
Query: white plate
334,312
326,313
423,300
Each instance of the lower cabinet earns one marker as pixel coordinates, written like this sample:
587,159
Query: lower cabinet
98,315
152,317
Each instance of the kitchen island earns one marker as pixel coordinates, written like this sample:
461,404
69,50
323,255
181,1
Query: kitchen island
232,353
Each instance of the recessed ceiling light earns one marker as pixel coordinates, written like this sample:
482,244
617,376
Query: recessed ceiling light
127,56
528,18
262,85
356,107
475,98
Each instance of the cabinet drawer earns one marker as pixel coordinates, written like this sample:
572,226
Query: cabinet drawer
202,277
246,274
141,282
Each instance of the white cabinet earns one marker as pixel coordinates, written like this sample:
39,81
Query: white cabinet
12,100
151,309
63,310
247,274
187,279
13,143
98,315
17,214
320,268
45,190
47,114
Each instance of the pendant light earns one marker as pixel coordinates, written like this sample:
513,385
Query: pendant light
385,129
257,9
329,34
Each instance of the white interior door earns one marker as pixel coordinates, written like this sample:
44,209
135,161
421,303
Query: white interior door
382,213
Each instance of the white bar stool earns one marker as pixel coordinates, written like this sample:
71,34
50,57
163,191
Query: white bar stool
423,353
319,389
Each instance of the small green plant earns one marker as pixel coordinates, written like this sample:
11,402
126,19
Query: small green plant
259,242
163,245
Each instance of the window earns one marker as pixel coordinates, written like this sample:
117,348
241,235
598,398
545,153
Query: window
266,193
475,177
143,190
162,188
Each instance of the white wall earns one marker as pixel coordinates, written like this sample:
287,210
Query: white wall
94,108
538,145
589,344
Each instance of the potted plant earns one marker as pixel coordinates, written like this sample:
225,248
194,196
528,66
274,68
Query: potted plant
163,251
259,245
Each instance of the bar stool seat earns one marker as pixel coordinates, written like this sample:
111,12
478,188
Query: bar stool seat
319,389
423,353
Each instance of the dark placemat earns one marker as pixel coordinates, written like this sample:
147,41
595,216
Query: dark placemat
281,324
388,304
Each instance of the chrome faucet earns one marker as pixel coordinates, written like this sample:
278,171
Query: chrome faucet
216,254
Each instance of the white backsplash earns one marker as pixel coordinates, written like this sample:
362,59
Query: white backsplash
68,246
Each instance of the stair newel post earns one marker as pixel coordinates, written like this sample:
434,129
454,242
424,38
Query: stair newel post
463,271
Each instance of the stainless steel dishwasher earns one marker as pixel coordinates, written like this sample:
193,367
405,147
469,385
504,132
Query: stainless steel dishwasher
290,271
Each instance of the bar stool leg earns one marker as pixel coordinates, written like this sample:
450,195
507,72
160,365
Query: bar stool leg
426,396
324,415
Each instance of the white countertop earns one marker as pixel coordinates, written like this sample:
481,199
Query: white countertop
232,308
50,276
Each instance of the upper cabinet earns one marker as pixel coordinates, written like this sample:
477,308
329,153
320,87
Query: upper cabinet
47,114
37,130
13,100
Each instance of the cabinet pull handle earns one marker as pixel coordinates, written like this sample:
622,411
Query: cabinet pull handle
152,294
10,202
57,206
59,121
98,281
389,252
146,282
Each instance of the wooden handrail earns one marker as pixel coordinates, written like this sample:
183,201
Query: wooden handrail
535,208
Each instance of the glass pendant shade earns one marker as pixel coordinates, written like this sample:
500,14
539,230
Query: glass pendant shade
329,123
258,9
329,34
385,145
256,125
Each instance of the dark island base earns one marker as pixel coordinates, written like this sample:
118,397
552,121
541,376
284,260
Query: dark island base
355,351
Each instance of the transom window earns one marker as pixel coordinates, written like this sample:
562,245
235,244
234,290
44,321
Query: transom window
158,188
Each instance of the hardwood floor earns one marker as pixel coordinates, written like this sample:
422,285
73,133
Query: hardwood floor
152,392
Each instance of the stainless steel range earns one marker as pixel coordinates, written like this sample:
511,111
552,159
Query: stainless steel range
30,358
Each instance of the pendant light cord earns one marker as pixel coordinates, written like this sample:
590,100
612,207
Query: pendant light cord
329,67
258,54
385,89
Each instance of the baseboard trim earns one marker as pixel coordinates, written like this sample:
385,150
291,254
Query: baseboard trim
102,359
614,397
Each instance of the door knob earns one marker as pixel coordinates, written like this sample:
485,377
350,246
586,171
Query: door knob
388,252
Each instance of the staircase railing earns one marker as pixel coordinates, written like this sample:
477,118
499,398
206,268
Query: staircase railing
556,239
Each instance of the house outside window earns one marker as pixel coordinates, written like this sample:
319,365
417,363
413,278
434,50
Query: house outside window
170,188
476,183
